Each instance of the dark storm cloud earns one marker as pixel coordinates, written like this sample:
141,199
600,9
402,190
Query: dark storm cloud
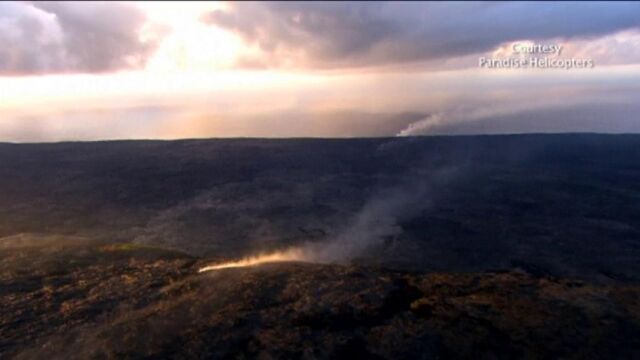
53,37
363,34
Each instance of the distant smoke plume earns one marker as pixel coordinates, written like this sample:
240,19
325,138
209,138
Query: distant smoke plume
432,122
470,113
422,126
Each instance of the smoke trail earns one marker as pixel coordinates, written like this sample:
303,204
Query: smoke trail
423,126
376,222
292,254
467,113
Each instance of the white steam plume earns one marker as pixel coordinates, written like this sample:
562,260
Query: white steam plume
469,113
377,221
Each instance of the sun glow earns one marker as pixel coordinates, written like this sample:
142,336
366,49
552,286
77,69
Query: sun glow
189,44
293,254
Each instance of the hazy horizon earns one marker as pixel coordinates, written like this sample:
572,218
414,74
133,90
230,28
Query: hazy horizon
179,70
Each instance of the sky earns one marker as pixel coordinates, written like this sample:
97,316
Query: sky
170,70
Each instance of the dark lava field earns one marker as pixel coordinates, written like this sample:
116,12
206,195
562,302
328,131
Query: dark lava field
465,247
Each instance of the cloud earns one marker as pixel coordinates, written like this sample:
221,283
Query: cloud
350,34
56,37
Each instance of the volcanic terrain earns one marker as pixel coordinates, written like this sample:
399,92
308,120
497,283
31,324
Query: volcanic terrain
484,247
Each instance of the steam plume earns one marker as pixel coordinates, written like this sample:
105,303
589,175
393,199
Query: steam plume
470,113
377,222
